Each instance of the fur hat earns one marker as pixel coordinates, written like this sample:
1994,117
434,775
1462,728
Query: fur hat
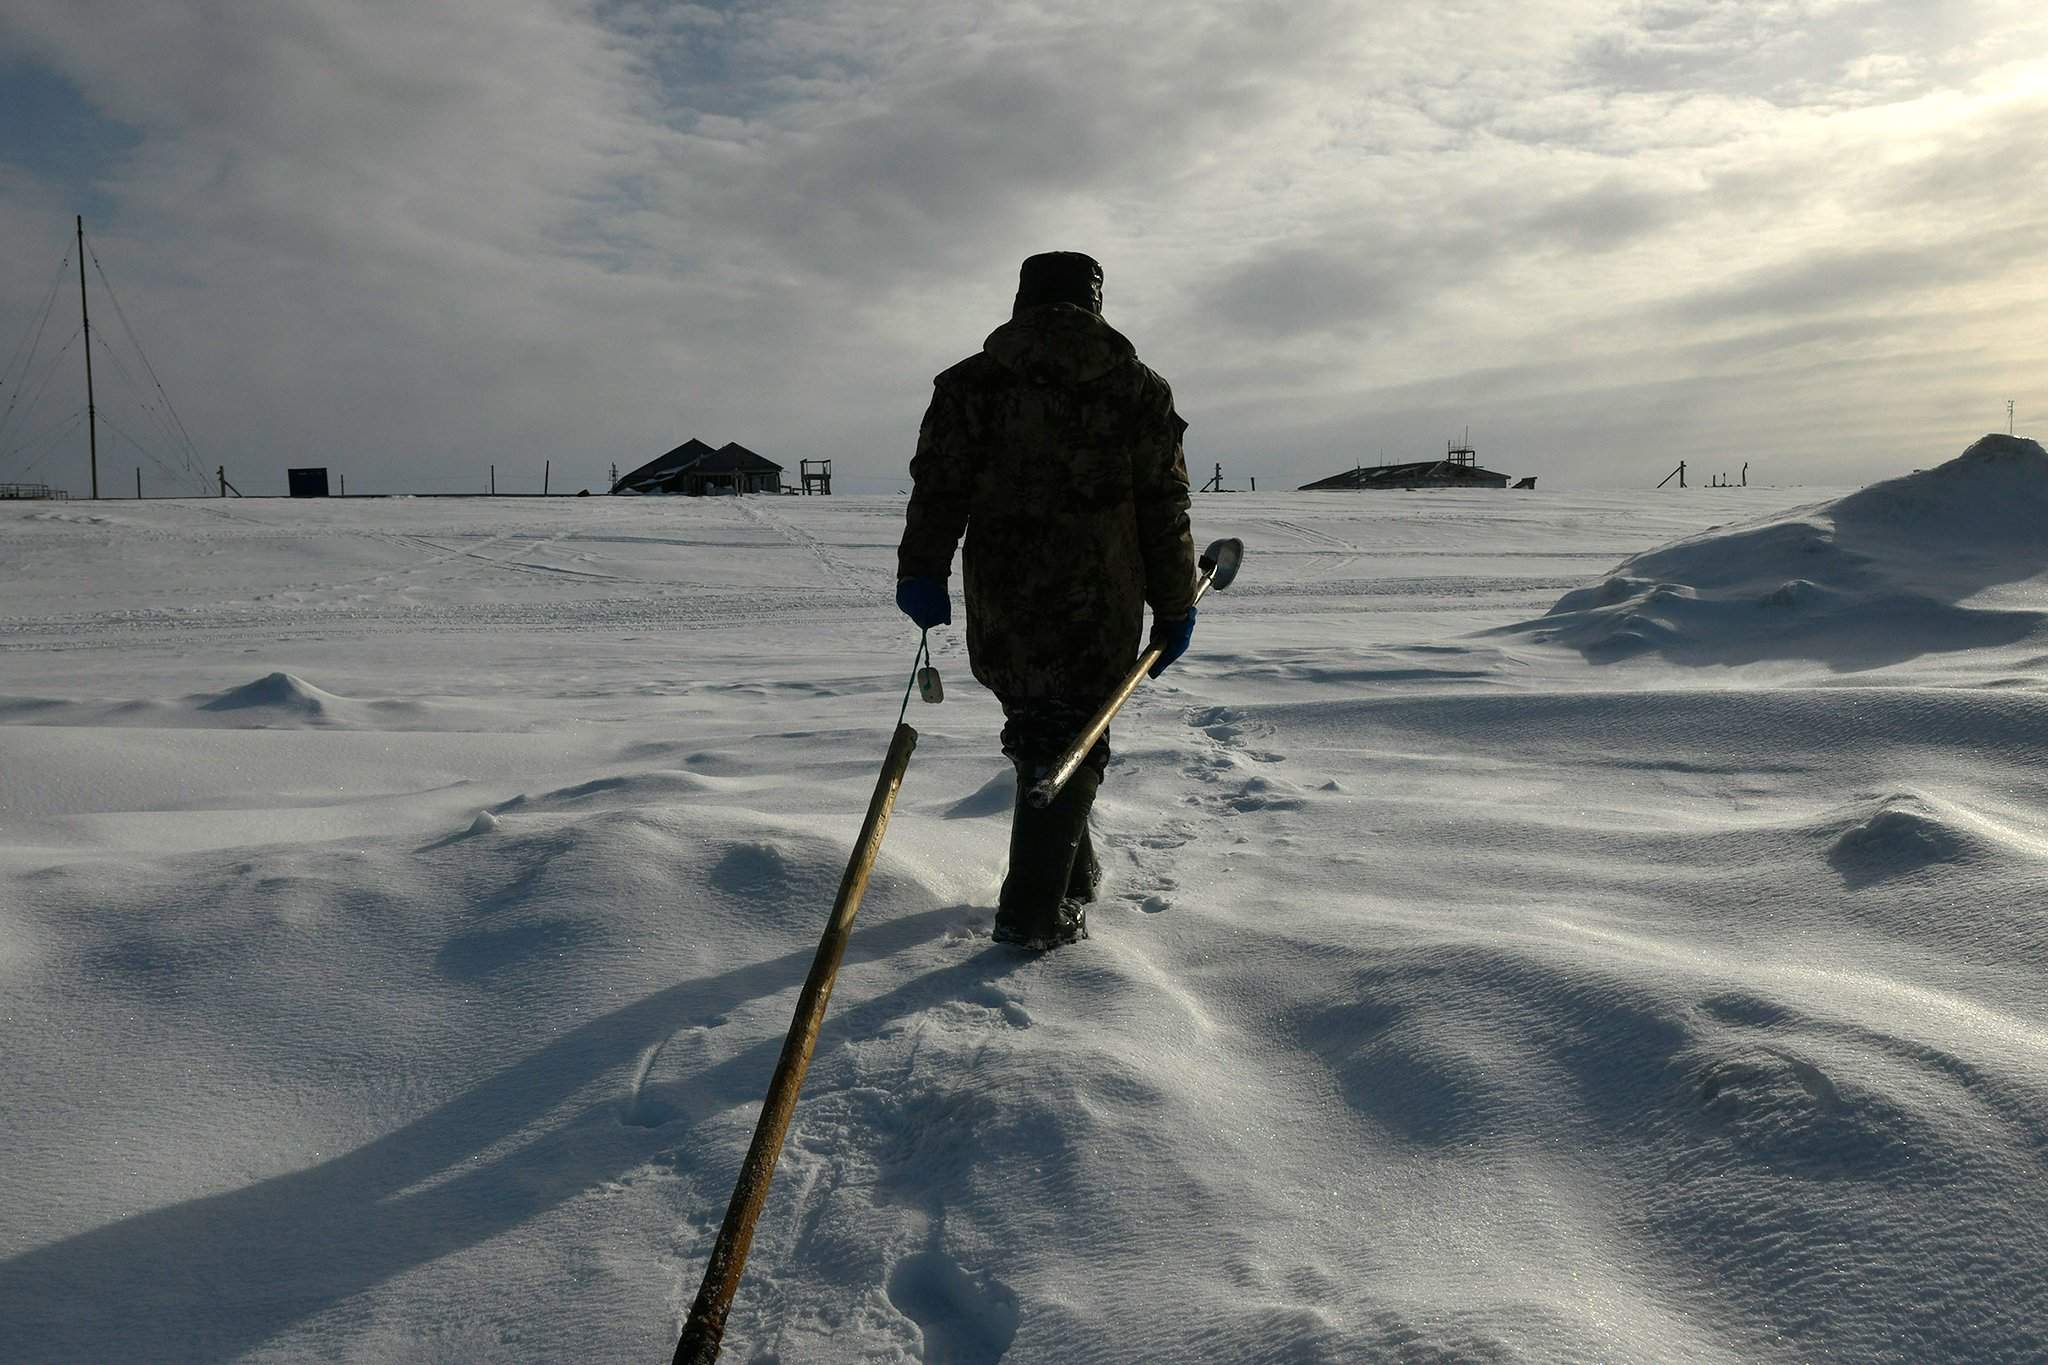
1059,277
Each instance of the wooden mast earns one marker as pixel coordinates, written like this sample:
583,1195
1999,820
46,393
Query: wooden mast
92,435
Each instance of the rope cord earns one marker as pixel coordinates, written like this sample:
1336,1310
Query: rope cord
152,410
42,320
146,453
121,368
41,314
924,654
51,433
191,450
44,383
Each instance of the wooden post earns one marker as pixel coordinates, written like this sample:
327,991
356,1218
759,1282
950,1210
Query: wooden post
546,468
138,483
494,479
704,1333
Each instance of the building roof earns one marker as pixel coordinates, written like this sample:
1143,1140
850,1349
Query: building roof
694,457
1444,471
677,460
732,457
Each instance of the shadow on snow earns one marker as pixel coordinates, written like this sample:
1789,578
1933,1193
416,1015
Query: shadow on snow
211,1278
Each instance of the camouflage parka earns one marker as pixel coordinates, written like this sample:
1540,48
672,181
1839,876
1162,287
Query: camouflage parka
1059,456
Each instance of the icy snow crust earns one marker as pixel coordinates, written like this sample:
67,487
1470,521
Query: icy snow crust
401,905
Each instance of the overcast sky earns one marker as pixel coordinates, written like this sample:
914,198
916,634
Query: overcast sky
408,240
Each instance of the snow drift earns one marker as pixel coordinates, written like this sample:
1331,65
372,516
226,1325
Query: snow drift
1910,566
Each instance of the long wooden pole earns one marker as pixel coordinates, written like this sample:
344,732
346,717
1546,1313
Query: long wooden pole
704,1333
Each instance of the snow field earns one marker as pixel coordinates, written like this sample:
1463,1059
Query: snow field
402,904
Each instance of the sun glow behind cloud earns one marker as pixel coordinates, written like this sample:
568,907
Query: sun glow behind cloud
410,241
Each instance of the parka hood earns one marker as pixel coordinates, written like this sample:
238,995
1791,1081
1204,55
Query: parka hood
1059,343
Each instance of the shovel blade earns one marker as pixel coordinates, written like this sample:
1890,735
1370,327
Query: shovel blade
1220,561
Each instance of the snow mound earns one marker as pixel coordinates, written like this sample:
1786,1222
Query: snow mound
1903,835
284,699
1773,1108
993,797
275,701
622,791
73,518
1945,559
283,693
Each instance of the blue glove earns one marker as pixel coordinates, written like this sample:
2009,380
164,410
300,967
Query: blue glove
1172,638
924,601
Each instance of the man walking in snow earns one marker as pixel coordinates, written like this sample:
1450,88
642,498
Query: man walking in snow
1058,456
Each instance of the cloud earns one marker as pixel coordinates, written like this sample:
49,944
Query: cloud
413,240
977,148
1607,215
1789,52
1825,282
1311,288
1984,166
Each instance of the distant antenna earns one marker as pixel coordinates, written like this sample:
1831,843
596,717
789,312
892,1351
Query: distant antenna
1461,454
2008,416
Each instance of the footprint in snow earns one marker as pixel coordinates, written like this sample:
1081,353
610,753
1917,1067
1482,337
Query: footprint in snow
1262,794
993,998
964,1320
1229,728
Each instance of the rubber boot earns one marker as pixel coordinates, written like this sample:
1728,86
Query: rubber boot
1035,910
1086,879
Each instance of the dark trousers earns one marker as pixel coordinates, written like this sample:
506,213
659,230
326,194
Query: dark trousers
1052,858
1037,730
